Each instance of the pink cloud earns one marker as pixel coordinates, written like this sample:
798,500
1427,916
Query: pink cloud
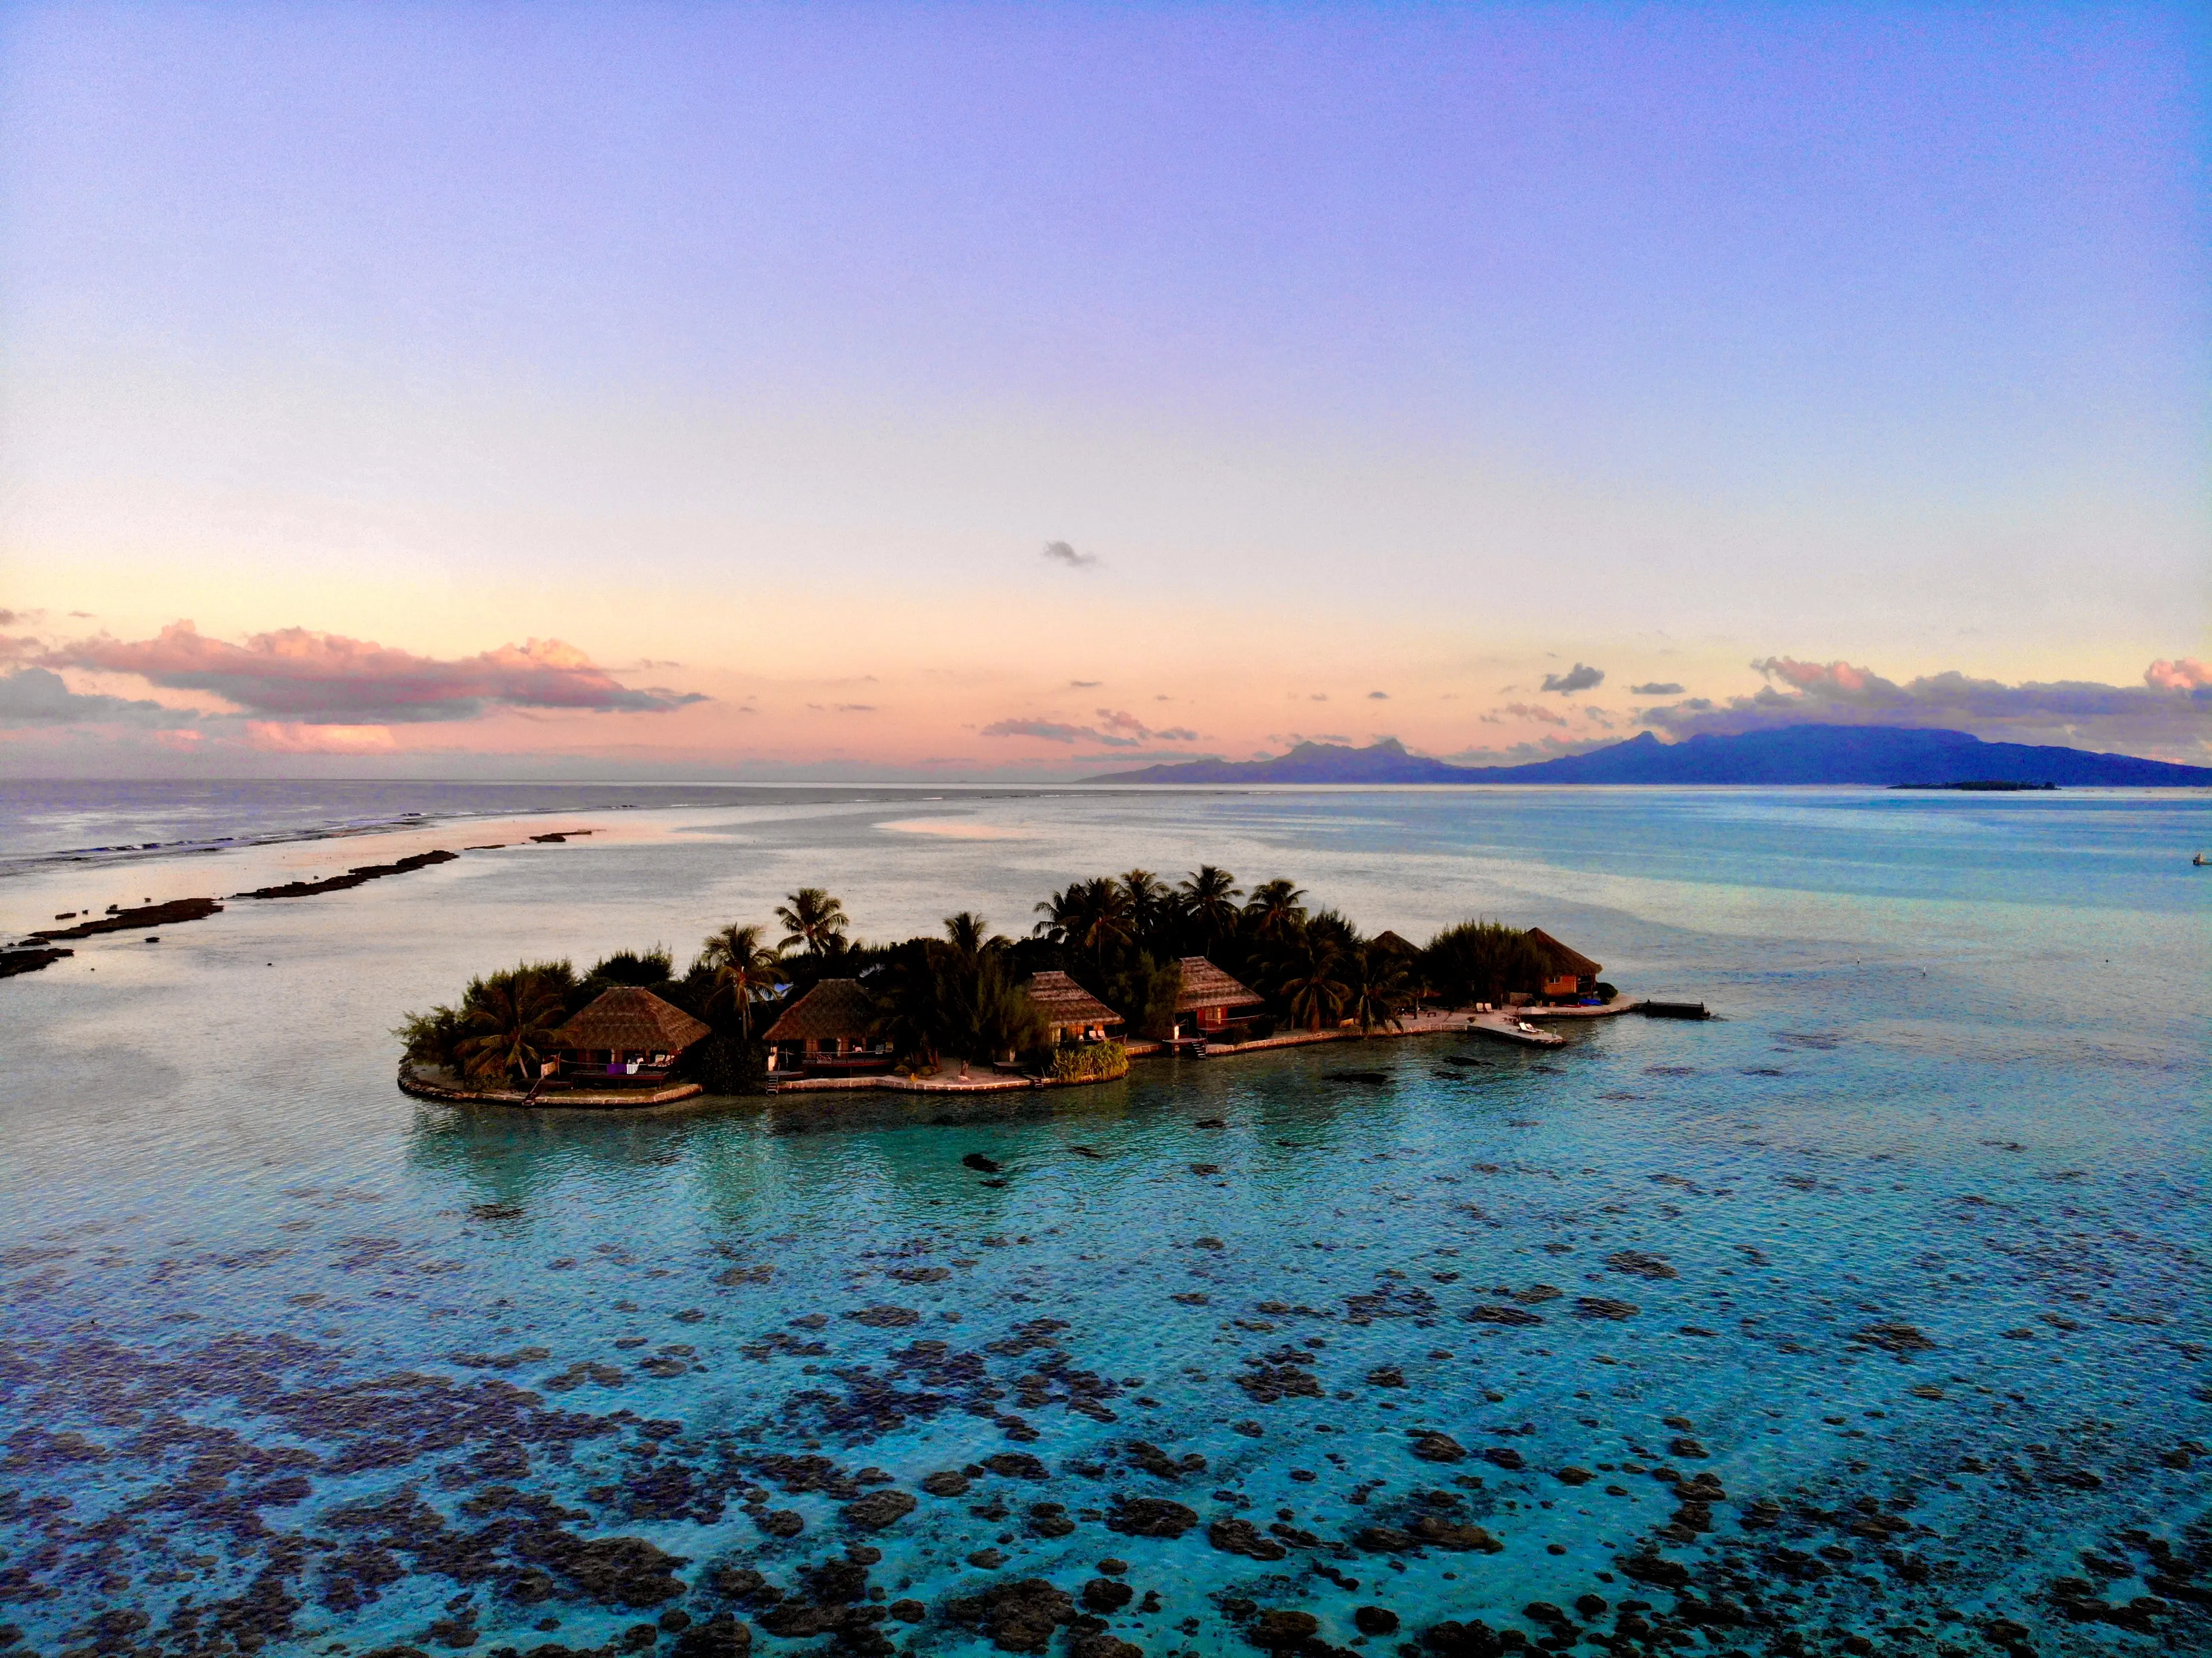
2186,675
273,737
2170,713
302,676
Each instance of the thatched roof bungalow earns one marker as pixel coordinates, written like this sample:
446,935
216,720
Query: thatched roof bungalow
1073,1012
1567,971
1207,995
628,1036
827,1028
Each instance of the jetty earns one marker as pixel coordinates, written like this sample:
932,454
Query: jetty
414,1080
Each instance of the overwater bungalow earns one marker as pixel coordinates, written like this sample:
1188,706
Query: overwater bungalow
1075,1014
1567,971
627,1038
1209,1002
827,1032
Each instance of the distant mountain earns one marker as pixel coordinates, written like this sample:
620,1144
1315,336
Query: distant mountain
1879,755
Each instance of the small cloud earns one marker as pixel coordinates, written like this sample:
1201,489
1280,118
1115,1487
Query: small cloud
1085,684
1535,711
80,615
1576,678
1162,697
1378,696
1318,697
1116,728
856,707
1059,552
1051,730
272,737
1656,688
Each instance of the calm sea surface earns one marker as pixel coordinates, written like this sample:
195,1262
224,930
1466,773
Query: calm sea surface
1874,1310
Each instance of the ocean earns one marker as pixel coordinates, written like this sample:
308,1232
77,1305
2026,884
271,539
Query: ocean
1866,1316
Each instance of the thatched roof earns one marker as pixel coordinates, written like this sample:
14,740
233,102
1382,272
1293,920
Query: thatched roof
835,1007
630,1020
1394,944
1562,959
1204,985
1063,1001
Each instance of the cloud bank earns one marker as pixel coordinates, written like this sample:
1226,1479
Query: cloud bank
38,696
298,677
2170,713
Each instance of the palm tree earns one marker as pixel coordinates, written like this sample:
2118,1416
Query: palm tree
1209,896
510,1018
1152,902
1058,913
908,995
814,919
745,970
1311,983
1378,989
1273,910
971,936
1088,916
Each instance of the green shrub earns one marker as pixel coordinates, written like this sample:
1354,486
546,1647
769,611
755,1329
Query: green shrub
725,1063
1089,1062
434,1038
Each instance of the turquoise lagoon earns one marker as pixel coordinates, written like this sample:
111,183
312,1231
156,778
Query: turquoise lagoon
1874,1308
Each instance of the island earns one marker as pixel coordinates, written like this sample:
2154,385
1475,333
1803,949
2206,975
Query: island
1115,968
1788,755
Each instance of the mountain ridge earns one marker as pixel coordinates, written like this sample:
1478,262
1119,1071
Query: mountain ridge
1787,755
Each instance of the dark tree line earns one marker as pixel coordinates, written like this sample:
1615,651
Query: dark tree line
1120,937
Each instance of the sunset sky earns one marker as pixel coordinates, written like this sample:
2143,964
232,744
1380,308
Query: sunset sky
883,391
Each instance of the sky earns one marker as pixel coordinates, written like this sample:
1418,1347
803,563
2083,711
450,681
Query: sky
997,392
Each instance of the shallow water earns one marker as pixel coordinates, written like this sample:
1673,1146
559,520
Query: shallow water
296,1362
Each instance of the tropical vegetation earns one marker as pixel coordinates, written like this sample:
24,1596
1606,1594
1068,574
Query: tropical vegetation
957,995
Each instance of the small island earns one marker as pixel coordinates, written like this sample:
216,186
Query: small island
1115,968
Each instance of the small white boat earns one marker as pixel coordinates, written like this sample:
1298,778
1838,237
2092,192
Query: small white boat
2198,860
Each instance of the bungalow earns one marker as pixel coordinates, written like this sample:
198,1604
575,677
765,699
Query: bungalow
1208,1000
828,1030
1073,1012
1566,972
627,1037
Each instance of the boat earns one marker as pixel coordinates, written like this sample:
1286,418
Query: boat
2198,860
1512,1030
